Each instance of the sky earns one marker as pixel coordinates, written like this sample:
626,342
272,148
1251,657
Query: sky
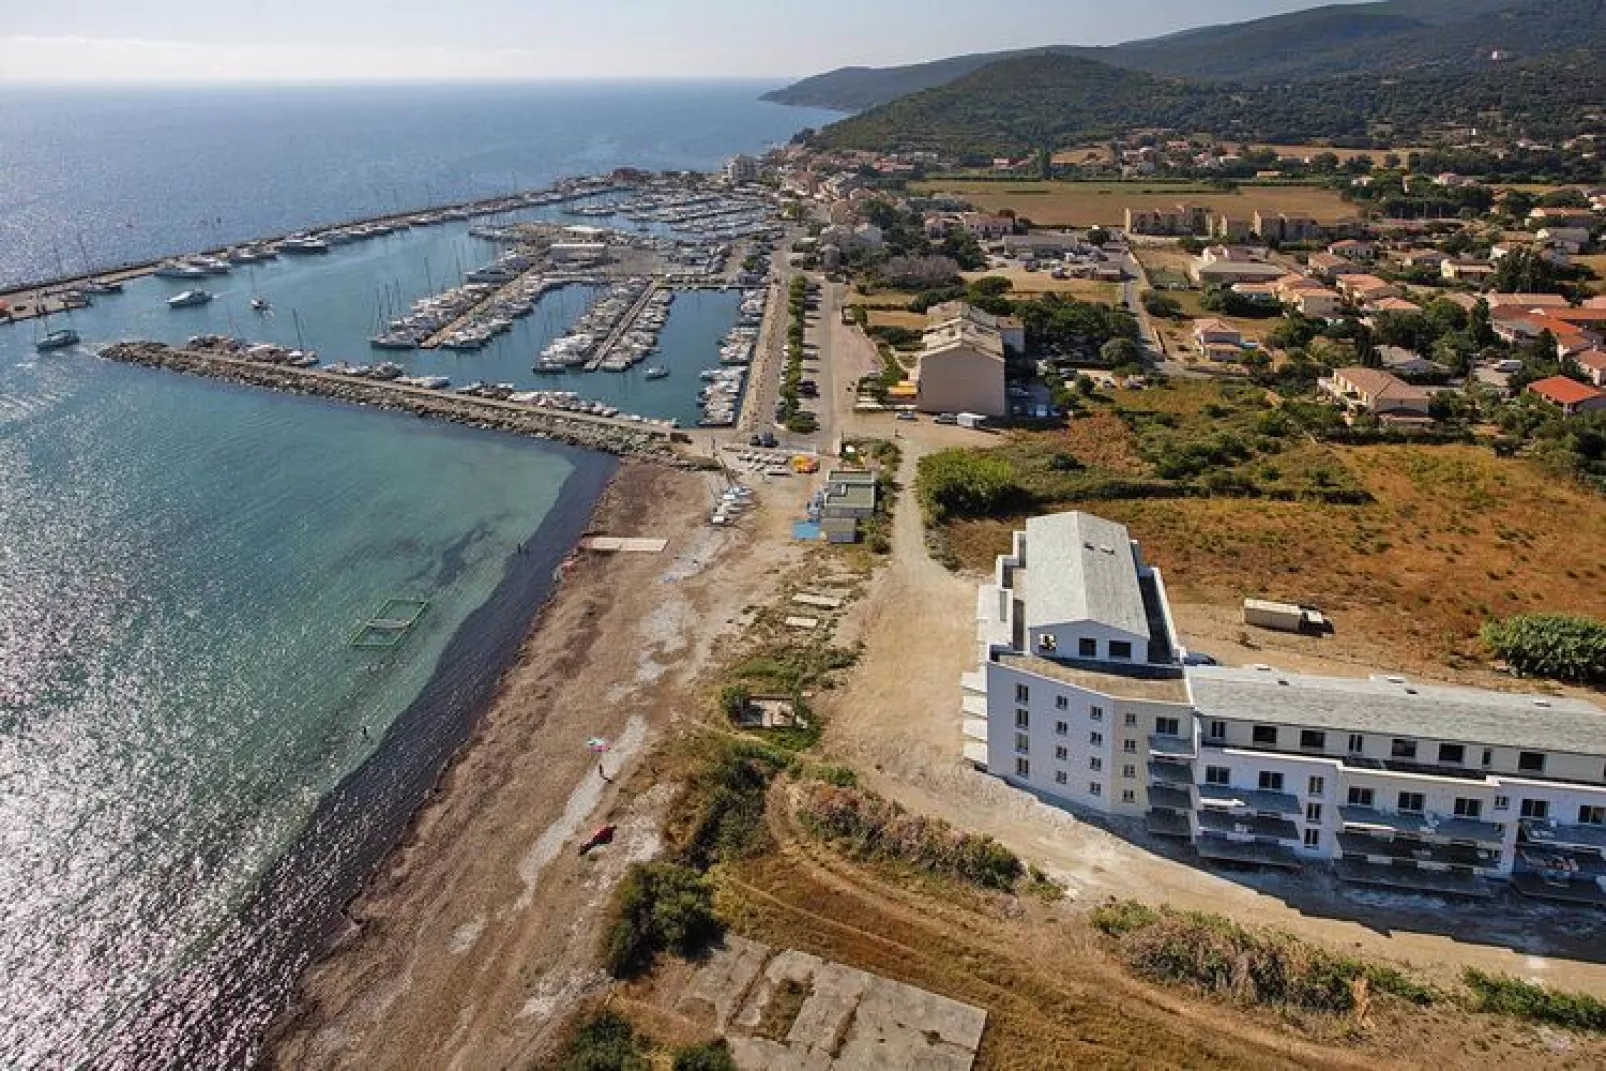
422,40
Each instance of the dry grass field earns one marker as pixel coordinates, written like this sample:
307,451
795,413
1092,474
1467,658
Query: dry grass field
1452,536
1031,284
1596,262
1082,204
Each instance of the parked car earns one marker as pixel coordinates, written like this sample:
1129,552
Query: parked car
907,414
945,418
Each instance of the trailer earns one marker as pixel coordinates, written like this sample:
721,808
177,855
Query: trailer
1284,616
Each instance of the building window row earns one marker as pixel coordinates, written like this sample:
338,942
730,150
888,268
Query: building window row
1399,747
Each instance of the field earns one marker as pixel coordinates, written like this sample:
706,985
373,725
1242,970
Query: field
1596,262
1377,156
1036,283
1452,535
1082,204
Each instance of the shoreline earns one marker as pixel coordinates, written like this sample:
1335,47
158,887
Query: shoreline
216,1011
354,975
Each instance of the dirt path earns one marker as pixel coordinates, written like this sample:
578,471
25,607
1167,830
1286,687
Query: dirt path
897,720
477,938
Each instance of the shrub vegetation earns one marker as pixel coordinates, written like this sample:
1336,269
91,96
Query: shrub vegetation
1504,995
659,907
1557,646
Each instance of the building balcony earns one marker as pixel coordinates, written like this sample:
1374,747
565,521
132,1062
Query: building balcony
976,729
1175,799
974,681
976,753
1170,773
1172,747
1560,863
1548,887
1247,825
974,705
1424,769
1555,833
1168,824
1417,851
1253,799
1253,852
1449,827
1412,878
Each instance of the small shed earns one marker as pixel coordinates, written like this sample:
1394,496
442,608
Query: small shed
839,530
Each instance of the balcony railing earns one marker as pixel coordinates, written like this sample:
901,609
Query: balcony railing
1170,773
1540,831
1451,827
1247,825
1253,799
1176,747
1417,851
1175,799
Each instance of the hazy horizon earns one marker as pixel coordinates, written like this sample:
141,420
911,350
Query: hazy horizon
395,41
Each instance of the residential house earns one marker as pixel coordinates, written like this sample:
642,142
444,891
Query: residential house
1318,303
1570,240
1353,249
1009,328
1231,228
1366,289
1225,265
1466,270
1382,394
1331,266
1080,697
1259,293
1213,332
1593,363
1402,362
986,227
1569,395
1432,259
1286,227
1180,219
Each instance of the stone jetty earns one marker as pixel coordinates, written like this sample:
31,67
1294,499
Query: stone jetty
626,438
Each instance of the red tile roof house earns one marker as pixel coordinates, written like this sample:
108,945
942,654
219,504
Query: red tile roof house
1571,396
1385,396
1593,362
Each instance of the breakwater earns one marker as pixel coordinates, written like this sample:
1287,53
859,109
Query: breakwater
625,438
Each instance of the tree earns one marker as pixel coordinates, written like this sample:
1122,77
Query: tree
1550,645
1525,271
1121,351
1162,305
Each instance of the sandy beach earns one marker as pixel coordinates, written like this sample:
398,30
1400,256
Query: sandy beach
475,938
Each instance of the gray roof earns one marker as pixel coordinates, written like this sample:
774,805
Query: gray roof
1083,568
1395,708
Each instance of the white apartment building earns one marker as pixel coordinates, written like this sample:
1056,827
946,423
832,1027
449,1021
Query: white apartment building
1080,696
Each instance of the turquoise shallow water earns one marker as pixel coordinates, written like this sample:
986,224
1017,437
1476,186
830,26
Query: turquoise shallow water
182,564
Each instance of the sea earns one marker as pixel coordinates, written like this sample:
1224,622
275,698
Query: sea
197,768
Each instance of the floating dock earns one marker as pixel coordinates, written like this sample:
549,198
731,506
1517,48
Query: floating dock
392,624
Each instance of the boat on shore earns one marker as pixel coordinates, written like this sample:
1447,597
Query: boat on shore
189,298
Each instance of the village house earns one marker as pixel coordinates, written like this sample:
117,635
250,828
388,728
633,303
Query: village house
1353,249
1259,293
1402,362
1379,393
1570,240
961,367
1432,259
1331,266
1593,363
1392,304
1365,289
1213,332
1568,395
1318,303
1010,329
1462,269
986,227
1223,265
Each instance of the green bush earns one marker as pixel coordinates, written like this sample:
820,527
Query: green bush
877,828
1503,995
659,907
1550,645
711,1056
726,804
968,483
606,1043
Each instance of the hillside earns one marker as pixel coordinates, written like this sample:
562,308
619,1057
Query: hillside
1050,100
1393,35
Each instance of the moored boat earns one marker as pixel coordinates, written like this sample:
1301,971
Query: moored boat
189,298
57,340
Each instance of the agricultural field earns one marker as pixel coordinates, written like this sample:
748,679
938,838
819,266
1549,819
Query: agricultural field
1032,284
1596,262
1377,156
1450,535
1083,204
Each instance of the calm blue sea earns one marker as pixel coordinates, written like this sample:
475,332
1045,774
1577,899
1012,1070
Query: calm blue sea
196,770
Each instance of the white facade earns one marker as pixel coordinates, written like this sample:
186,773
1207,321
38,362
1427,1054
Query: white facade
1392,783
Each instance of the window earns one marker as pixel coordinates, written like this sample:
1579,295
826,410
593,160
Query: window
1128,796
1023,743
1095,789
1086,648
1502,803
1271,781
1218,775
1468,808
1357,743
1313,739
1403,749
1121,650
1313,813
1023,719
1061,703
1454,753
1488,757
1316,786
1096,739
1218,730
1095,714
1062,728
1313,838
1023,768
1165,726
1536,808
1060,777
1265,734
1410,803
1129,746
1360,797
1131,720
1591,815
1129,772
1531,761
1022,693
1061,754
1095,764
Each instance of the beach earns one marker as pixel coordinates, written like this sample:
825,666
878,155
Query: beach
476,936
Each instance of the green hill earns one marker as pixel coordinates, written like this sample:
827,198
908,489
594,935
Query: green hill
1051,100
1390,36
